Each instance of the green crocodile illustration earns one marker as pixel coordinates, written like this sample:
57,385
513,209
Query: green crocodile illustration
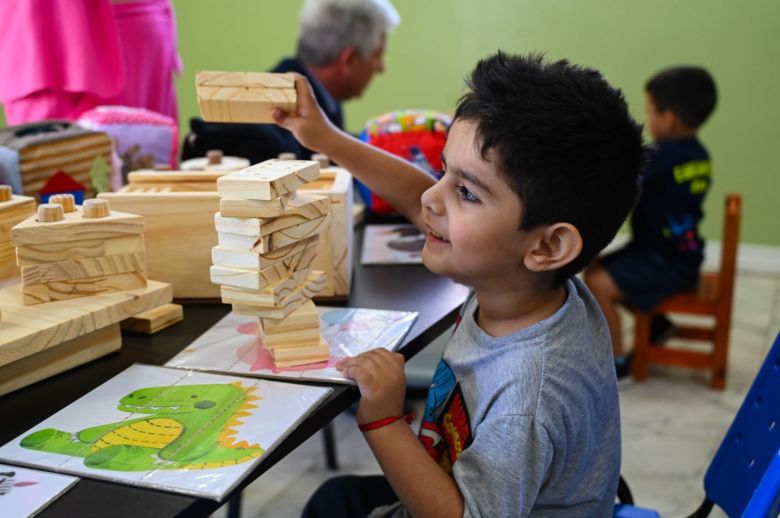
187,427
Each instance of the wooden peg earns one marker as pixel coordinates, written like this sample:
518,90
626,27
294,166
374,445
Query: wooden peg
96,208
287,156
323,160
214,156
68,201
5,193
50,212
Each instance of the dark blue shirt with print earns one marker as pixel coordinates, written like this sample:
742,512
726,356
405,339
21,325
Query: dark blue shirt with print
674,184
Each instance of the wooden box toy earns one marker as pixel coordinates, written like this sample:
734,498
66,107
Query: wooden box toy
178,209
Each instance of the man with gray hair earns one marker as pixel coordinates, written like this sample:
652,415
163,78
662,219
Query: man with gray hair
340,48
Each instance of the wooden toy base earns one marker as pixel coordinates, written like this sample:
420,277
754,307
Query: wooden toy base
67,355
45,339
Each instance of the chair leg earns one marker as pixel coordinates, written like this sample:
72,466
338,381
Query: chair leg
720,355
641,345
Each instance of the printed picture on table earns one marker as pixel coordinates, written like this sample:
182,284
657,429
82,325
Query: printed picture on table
392,244
171,429
24,492
233,346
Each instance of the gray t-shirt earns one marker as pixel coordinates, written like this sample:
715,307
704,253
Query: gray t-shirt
529,424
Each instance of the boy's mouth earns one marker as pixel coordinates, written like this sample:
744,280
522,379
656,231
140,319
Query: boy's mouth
436,237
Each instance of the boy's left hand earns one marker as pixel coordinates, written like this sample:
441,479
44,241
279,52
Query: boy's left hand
380,377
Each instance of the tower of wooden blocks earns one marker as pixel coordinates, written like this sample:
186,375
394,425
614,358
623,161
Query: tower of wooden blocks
268,236
67,251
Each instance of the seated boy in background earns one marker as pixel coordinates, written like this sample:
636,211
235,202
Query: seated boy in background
665,251
541,168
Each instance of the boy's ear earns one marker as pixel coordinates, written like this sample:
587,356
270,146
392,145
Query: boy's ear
556,246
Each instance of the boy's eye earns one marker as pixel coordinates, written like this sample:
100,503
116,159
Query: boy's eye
466,195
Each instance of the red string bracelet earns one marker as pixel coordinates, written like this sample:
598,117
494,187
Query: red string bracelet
379,423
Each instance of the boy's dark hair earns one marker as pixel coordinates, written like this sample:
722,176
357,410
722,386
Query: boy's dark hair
564,140
689,92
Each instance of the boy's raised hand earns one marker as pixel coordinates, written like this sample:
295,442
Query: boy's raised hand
309,124
380,377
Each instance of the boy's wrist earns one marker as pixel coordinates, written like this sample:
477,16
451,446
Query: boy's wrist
385,421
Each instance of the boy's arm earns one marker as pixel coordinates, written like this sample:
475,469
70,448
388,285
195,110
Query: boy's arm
422,485
397,181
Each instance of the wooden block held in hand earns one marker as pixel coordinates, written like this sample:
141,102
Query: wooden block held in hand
244,96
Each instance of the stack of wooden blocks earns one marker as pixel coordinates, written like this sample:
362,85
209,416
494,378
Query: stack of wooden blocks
67,251
268,236
13,209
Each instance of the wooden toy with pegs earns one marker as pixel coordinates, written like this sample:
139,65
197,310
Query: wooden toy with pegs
267,242
67,251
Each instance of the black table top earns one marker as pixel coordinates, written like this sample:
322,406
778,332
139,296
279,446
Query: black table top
402,287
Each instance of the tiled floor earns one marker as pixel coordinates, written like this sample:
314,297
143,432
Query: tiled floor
672,424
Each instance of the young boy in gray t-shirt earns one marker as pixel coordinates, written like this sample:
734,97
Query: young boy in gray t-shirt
541,168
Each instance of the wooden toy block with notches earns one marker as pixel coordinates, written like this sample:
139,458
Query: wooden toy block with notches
67,251
13,209
244,96
267,242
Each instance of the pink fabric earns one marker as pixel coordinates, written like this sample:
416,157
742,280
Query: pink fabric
58,45
147,33
59,58
49,104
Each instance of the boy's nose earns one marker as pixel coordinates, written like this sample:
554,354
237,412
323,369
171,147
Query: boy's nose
431,201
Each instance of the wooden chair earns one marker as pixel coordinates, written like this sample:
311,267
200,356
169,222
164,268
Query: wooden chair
713,297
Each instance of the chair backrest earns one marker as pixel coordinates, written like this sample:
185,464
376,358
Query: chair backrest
751,442
728,258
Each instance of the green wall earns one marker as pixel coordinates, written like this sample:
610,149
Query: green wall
437,44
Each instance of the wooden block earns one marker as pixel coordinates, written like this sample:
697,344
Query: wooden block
274,240
305,317
27,330
154,319
334,255
12,211
67,355
305,204
61,290
179,234
75,250
258,279
259,227
83,268
267,297
300,338
252,260
172,181
318,352
293,301
244,96
75,227
50,212
268,180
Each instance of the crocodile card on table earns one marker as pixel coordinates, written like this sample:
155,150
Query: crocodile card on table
232,345
170,429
